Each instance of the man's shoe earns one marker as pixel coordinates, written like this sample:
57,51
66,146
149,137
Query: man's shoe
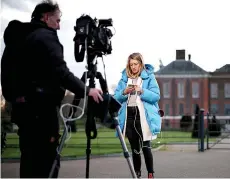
138,174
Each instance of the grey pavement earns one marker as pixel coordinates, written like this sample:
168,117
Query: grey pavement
222,143
170,162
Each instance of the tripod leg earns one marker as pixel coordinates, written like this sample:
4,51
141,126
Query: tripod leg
54,166
125,149
91,132
88,152
59,149
104,87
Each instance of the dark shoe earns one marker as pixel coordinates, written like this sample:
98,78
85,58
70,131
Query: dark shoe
138,174
150,175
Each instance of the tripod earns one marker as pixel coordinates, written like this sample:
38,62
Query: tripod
91,114
90,126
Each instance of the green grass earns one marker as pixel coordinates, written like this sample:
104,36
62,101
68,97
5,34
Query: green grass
105,143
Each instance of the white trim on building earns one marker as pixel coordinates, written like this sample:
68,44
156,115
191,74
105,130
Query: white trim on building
205,117
182,76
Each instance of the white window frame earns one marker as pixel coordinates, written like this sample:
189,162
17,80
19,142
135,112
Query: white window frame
180,89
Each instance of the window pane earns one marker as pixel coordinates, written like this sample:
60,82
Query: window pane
227,109
214,90
180,90
166,109
227,90
193,108
181,109
195,90
166,89
214,109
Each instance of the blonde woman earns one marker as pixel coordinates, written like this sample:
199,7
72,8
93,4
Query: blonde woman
139,119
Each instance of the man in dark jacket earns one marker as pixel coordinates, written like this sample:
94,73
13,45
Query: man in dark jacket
44,77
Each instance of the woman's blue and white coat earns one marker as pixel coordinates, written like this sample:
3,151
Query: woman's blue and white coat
147,102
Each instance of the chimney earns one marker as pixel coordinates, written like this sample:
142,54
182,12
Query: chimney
180,54
161,64
189,57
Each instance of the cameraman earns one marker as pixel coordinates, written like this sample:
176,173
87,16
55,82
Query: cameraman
44,77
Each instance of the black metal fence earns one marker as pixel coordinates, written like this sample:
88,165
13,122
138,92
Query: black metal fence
218,128
213,133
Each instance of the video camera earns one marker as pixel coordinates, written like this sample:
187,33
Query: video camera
93,38
92,35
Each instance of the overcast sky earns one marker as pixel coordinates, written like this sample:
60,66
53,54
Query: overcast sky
154,28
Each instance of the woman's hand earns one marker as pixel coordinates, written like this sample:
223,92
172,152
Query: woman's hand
138,89
128,90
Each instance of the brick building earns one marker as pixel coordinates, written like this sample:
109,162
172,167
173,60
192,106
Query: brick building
220,91
183,84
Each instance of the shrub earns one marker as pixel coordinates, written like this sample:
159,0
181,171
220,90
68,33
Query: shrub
214,127
186,122
196,122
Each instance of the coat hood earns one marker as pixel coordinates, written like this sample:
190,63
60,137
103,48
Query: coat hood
17,31
146,72
10,34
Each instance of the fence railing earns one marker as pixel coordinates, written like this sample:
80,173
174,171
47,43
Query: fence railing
219,129
190,131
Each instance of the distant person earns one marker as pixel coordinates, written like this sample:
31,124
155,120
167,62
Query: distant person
139,116
41,78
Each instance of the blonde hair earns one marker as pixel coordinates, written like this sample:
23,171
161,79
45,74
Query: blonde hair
139,58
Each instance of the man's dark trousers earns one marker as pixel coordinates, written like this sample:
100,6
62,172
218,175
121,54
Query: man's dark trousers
37,125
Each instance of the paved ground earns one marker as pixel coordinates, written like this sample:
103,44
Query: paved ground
175,162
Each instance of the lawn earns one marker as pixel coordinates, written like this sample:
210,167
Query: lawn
105,143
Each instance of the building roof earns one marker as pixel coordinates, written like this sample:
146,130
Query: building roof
181,67
223,69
